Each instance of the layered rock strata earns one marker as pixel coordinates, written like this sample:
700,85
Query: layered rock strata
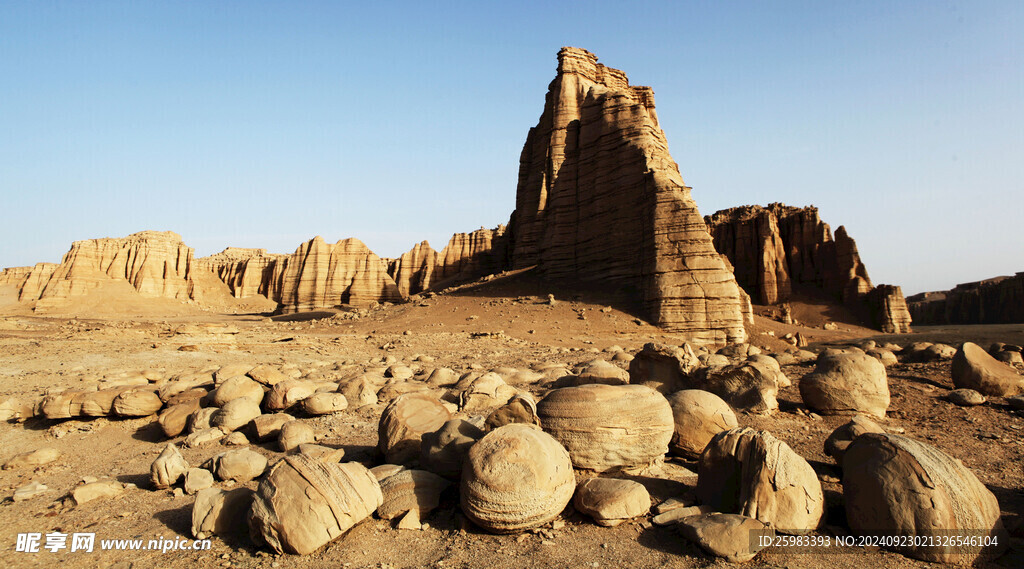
467,256
777,249
599,198
157,264
999,300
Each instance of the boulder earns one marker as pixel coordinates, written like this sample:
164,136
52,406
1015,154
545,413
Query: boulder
63,405
240,465
894,485
699,415
304,503
267,375
516,478
197,479
100,403
293,434
748,472
33,458
174,419
847,383
601,371
268,426
236,438
168,467
137,403
965,397
203,437
887,358
200,419
324,403
231,370
287,393
772,364
360,391
96,490
611,501
746,386
840,439
609,427
234,388
730,536
444,450
662,367
442,377
409,490
520,409
403,423
29,491
235,414
14,409
218,512
974,369
479,393
321,452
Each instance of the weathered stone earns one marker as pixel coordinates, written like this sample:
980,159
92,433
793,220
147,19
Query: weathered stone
974,369
197,479
611,501
965,397
174,419
240,465
600,199
96,490
137,403
520,409
204,437
268,426
403,423
287,393
33,458
407,490
442,377
100,403
444,451
479,392
234,388
663,368
304,503
62,405
200,419
748,386
218,512
324,403
267,375
14,409
29,491
236,438
168,467
293,434
893,485
733,537
601,371
608,427
699,416
748,472
235,414
846,384
321,452
515,478
837,442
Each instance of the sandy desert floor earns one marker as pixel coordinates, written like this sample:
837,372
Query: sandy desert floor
504,323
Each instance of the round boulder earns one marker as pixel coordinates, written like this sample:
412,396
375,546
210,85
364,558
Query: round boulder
403,423
699,416
974,369
611,501
846,383
516,478
751,473
840,439
608,427
893,485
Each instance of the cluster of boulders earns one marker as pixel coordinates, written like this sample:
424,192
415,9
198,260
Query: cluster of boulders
516,460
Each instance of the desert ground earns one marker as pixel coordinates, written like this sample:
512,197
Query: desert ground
504,324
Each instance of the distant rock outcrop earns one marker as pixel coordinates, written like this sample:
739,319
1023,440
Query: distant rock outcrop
999,300
247,272
777,249
600,199
467,256
157,264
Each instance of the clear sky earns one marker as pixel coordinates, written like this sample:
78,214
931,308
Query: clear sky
262,124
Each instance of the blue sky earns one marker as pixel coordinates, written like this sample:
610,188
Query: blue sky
262,124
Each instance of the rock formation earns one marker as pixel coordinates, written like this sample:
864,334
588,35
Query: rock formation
999,300
467,256
319,275
600,199
157,264
779,249
247,272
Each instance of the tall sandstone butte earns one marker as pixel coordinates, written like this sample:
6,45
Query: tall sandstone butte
157,264
778,250
600,199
